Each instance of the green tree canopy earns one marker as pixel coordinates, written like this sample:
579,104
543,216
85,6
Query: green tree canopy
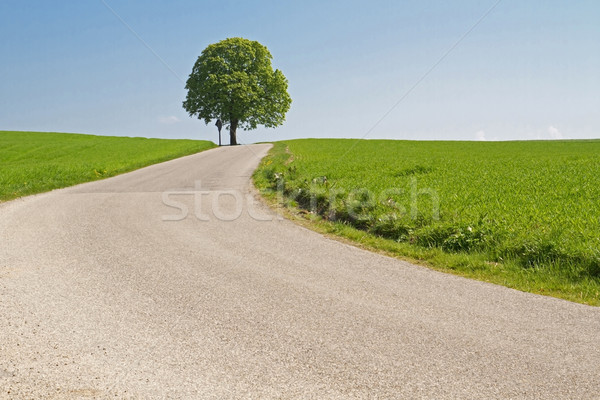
233,81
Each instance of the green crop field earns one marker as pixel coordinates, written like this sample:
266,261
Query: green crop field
522,214
34,162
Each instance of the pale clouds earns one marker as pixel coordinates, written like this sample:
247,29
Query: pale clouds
554,133
550,133
480,135
170,120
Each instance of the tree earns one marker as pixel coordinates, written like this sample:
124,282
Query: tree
233,81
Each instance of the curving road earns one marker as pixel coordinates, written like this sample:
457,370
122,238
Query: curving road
172,282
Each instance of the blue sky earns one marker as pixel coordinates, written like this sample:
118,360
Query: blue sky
528,70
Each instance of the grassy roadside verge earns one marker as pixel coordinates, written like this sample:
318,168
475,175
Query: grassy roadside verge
35,162
519,229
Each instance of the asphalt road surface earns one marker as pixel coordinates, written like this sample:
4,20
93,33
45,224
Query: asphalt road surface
173,281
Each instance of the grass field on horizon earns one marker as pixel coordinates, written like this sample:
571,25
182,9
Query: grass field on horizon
522,214
35,162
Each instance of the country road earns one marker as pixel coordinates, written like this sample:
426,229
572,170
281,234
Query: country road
175,282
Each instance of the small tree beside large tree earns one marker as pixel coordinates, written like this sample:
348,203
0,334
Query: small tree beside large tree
233,81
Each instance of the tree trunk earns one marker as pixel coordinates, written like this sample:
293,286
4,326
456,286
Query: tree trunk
233,124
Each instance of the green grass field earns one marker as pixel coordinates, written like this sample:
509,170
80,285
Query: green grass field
522,214
34,162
